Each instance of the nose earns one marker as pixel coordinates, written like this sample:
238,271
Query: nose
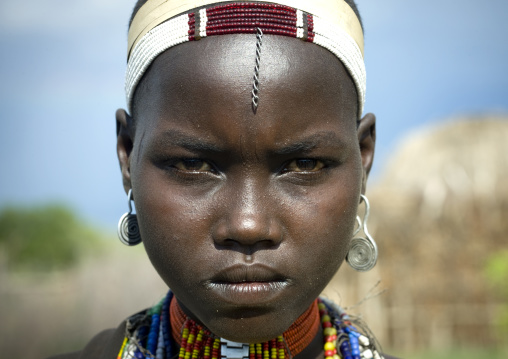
248,219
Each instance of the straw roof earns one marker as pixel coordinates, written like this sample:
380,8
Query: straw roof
440,209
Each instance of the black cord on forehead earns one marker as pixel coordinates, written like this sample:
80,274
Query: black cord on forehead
255,86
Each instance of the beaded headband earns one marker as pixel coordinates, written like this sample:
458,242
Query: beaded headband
162,24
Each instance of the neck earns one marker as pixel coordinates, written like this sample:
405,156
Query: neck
315,349
303,336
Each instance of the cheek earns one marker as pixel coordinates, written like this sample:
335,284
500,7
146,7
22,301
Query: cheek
327,222
319,229
321,222
174,226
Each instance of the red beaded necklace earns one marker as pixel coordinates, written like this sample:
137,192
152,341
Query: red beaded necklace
197,342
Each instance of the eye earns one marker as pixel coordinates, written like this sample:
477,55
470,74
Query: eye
193,165
304,165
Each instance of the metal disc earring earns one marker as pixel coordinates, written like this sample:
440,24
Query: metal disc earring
362,254
128,229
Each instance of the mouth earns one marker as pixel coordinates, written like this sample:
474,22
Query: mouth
248,284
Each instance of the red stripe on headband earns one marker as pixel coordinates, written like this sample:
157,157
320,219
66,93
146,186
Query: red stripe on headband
241,18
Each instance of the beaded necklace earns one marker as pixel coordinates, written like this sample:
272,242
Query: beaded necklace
149,335
299,335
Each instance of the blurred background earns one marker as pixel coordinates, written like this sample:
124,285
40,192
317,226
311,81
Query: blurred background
438,83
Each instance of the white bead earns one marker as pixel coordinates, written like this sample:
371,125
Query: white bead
299,18
367,354
364,340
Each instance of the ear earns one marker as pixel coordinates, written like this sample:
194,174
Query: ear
367,142
124,145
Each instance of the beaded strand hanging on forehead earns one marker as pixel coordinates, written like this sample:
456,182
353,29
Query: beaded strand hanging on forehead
244,18
255,85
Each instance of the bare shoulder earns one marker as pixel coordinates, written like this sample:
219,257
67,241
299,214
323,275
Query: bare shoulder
73,355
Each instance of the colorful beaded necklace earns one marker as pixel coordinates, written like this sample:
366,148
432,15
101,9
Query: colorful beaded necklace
297,337
150,335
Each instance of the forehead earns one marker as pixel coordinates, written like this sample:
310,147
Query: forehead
213,78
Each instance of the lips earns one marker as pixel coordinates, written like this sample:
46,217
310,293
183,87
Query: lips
247,284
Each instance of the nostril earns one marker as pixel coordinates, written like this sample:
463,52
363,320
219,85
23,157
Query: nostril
246,217
247,249
250,233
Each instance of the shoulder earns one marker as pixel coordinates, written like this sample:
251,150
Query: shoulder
345,323
73,355
104,345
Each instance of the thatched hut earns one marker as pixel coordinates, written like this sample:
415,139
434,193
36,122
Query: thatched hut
438,213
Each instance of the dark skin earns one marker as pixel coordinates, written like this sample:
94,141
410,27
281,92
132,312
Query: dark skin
246,216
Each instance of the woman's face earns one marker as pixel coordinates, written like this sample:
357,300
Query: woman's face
245,216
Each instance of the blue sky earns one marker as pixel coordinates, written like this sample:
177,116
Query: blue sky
61,79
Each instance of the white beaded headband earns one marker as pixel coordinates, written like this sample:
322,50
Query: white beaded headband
162,24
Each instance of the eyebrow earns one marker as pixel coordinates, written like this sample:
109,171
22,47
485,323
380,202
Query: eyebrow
307,144
181,139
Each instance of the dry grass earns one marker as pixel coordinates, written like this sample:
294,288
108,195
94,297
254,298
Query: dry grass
439,213
61,311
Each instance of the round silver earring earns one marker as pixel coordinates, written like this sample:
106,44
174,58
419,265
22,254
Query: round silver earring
128,229
362,254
